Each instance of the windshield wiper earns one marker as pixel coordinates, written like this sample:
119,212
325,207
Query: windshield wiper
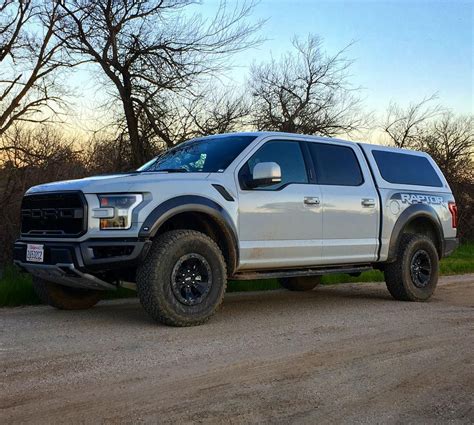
172,170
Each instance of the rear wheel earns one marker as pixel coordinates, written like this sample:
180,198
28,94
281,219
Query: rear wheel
183,279
300,283
65,297
414,275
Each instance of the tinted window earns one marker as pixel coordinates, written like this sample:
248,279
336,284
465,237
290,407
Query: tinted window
402,168
209,155
287,155
335,165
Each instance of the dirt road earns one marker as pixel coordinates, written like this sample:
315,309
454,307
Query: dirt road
345,353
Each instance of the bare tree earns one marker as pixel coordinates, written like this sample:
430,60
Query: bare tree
214,112
30,55
305,92
403,126
211,110
104,154
176,117
148,47
449,139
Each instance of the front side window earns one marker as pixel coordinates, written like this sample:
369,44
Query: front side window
209,155
404,168
286,154
335,165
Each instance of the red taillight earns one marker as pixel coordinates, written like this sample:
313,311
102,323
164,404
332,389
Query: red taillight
453,209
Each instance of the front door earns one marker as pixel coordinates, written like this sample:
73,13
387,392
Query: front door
279,225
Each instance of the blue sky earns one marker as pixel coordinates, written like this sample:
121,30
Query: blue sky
404,49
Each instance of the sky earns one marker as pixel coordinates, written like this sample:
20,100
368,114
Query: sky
403,50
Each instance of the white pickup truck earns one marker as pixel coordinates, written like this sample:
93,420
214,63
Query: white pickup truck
239,206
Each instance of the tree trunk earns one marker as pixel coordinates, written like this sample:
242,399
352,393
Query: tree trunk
136,143
138,156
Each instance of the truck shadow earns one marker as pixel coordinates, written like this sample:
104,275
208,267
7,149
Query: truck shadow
237,305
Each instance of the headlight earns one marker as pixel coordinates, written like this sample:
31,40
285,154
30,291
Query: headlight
115,211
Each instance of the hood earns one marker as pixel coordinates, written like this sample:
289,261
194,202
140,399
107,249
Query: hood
118,183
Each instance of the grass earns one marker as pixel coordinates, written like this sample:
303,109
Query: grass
16,288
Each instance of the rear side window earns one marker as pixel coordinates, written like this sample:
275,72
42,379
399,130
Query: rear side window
403,168
335,165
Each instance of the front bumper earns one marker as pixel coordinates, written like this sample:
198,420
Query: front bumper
78,263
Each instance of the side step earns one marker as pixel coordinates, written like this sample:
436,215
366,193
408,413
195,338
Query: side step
254,275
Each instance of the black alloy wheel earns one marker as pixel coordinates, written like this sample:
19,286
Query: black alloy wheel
191,279
420,268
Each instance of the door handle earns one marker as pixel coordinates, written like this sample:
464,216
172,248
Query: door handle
368,203
311,200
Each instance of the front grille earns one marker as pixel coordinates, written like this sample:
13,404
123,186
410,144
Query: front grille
58,214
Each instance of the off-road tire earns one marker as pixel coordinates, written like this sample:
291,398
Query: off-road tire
154,278
398,275
300,283
65,297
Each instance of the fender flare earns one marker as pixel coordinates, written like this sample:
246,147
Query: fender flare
411,213
193,203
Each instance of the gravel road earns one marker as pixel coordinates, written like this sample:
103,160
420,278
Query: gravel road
343,354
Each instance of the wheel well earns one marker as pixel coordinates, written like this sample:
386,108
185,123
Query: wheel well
424,226
210,226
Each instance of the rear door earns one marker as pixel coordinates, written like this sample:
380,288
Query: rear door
349,202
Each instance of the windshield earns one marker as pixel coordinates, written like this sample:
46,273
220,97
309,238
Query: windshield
209,155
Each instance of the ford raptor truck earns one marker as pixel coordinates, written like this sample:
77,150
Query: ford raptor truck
239,206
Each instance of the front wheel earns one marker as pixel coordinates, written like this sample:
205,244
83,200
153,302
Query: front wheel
183,279
414,275
65,297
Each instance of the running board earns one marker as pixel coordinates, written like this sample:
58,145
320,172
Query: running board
295,273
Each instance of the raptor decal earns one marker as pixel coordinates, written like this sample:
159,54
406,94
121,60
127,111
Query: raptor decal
418,198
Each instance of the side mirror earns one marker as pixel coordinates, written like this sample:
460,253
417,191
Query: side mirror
266,174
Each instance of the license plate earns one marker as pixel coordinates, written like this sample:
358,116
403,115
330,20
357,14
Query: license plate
35,253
